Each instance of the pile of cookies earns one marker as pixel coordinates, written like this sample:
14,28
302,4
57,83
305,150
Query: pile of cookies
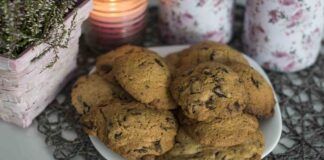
202,103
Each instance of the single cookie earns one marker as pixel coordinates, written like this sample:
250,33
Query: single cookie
209,90
132,129
210,51
251,149
105,62
223,132
186,148
146,77
185,145
92,90
261,99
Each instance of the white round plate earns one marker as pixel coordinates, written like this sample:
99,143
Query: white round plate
271,128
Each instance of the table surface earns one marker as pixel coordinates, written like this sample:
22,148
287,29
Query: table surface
58,134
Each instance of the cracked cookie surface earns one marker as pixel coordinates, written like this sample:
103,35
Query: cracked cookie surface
223,132
132,129
209,51
209,90
146,77
261,99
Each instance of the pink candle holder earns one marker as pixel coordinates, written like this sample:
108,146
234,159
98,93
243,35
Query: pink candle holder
115,22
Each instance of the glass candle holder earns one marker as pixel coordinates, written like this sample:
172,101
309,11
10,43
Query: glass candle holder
195,21
284,35
115,22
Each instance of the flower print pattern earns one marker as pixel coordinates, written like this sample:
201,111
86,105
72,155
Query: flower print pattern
184,22
284,35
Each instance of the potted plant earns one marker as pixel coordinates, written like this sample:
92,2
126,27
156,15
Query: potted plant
38,50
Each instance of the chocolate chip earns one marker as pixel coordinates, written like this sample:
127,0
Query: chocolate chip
158,62
75,85
142,64
106,68
86,107
218,91
211,103
142,150
157,146
118,136
212,56
89,125
255,82
237,106
169,119
223,69
207,71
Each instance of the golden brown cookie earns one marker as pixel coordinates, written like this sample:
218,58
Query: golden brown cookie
261,100
209,90
93,90
132,129
105,62
210,51
251,149
146,77
223,132
90,91
186,148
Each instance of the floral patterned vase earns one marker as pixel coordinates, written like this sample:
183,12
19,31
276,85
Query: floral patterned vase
183,21
284,35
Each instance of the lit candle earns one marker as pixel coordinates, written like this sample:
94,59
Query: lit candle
115,21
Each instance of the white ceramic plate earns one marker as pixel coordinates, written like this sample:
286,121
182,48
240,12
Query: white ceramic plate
271,127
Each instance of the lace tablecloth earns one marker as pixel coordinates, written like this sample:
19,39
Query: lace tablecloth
301,97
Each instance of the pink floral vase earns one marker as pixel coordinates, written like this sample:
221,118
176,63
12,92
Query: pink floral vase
284,35
183,21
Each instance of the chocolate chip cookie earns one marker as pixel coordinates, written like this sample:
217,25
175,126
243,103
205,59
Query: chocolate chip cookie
90,91
146,77
105,62
223,132
209,90
210,51
133,129
261,100
186,148
93,90
251,149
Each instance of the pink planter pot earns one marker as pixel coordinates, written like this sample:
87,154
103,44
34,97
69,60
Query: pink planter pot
27,86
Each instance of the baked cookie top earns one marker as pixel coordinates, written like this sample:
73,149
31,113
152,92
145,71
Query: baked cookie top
186,148
209,51
209,90
133,130
93,90
90,91
223,132
251,149
105,62
146,77
261,99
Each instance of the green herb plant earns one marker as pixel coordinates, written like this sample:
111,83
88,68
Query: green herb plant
26,23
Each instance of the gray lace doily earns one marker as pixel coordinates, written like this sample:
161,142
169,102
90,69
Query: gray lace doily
301,97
